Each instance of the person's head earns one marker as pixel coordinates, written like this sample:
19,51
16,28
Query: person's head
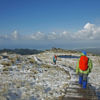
84,52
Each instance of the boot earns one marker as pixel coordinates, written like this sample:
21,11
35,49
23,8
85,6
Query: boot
80,80
84,84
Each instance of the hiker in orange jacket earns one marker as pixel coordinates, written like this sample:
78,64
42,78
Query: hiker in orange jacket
84,67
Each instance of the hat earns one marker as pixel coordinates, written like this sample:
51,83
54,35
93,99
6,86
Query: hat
84,52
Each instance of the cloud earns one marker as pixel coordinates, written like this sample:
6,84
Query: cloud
52,36
15,35
37,36
4,37
89,26
89,32
65,35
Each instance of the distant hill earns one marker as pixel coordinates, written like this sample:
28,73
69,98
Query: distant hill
21,51
95,51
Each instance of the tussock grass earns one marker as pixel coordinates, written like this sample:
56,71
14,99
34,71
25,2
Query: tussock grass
1,57
5,63
6,69
31,60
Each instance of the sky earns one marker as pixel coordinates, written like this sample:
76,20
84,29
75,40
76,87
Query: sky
43,24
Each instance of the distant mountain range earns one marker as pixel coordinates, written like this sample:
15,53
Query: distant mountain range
21,51
95,51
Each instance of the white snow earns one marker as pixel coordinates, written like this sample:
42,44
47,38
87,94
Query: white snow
94,76
34,80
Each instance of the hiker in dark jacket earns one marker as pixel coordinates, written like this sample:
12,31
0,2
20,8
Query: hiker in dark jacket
84,66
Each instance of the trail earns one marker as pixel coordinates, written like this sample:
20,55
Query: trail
74,91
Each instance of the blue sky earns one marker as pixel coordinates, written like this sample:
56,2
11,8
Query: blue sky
49,23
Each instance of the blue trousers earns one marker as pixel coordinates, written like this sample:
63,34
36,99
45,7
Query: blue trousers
83,79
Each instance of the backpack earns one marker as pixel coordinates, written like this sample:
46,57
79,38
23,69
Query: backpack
56,57
83,63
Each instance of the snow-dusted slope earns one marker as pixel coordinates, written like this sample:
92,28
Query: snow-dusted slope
94,76
28,78
69,64
35,77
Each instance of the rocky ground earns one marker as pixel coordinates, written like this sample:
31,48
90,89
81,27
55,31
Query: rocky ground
35,77
22,78
71,61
